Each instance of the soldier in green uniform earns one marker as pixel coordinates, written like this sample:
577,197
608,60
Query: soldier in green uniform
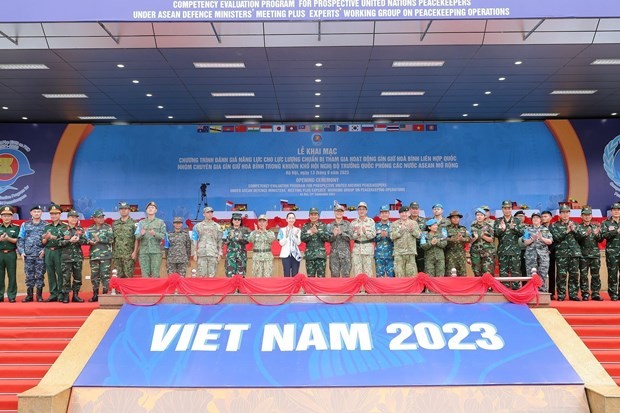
482,250
610,231
442,222
8,255
507,230
72,258
433,243
589,236
458,237
53,262
236,239
414,214
125,247
207,237
404,233
315,234
261,239
150,233
179,249
100,237
567,254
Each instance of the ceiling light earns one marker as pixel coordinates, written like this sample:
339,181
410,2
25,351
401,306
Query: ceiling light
488,92
120,65
317,106
317,116
317,94
5,107
171,117
501,79
606,62
318,64
64,95
7,66
418,63
317,80
404,93
390,115
160,107
574,92
219,65
613,114
475,105
539,115
465,115
135,81
244,116
97,117
149,95
232,94
24,118
518,62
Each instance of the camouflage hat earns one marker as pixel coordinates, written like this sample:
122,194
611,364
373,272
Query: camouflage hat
414,205
151,203
39,207
98,214
384,208
177,219
55,209
262,217
455,213
564,208
362,205
437,205
73,213
615,205
485,208
313,210
235,215
586,210
7,210
338,207
403,209
535,214
207,209
123,205
507,203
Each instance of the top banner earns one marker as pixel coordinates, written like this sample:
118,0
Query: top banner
299,10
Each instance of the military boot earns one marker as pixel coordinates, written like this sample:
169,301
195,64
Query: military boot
63,298
95,296
105,290
39,295
76,297
28,298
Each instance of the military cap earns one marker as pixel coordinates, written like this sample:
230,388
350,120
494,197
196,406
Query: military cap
437,206
431,222
362,204
546,212
455,213
36,207
207,209
414,205
7,209
151,203
55,209
519,212
262,217
615,205
586,210
485,207
123,205
481,211
98,214
564,208
535,214
507,203
73,213
403,209
385,208
338,207
177,219
236,215
313,210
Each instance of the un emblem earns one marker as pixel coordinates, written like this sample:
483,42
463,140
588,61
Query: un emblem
611,163
13,165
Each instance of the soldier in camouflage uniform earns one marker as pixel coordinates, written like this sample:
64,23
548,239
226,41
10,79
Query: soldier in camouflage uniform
262,258
536,240
458,237
179,249
405,233
30,247
8,257
589,236
340,255
208,244
567,253
384,246
433,243
53,254
125,247
507,230
70,244
482,250
414,214
364,233
610,231
315,234
546,217
236,239
150,233
520,215
100,238
438,216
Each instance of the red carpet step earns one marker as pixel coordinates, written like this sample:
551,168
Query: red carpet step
32,336
598,324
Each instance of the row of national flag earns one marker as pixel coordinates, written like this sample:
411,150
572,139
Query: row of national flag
305,127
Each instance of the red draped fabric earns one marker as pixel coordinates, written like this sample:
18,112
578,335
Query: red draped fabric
287,286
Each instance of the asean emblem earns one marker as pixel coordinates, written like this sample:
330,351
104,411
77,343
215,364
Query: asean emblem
317,139
13,165
611,163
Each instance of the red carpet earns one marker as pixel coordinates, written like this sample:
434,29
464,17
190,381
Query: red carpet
32,336
598,325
